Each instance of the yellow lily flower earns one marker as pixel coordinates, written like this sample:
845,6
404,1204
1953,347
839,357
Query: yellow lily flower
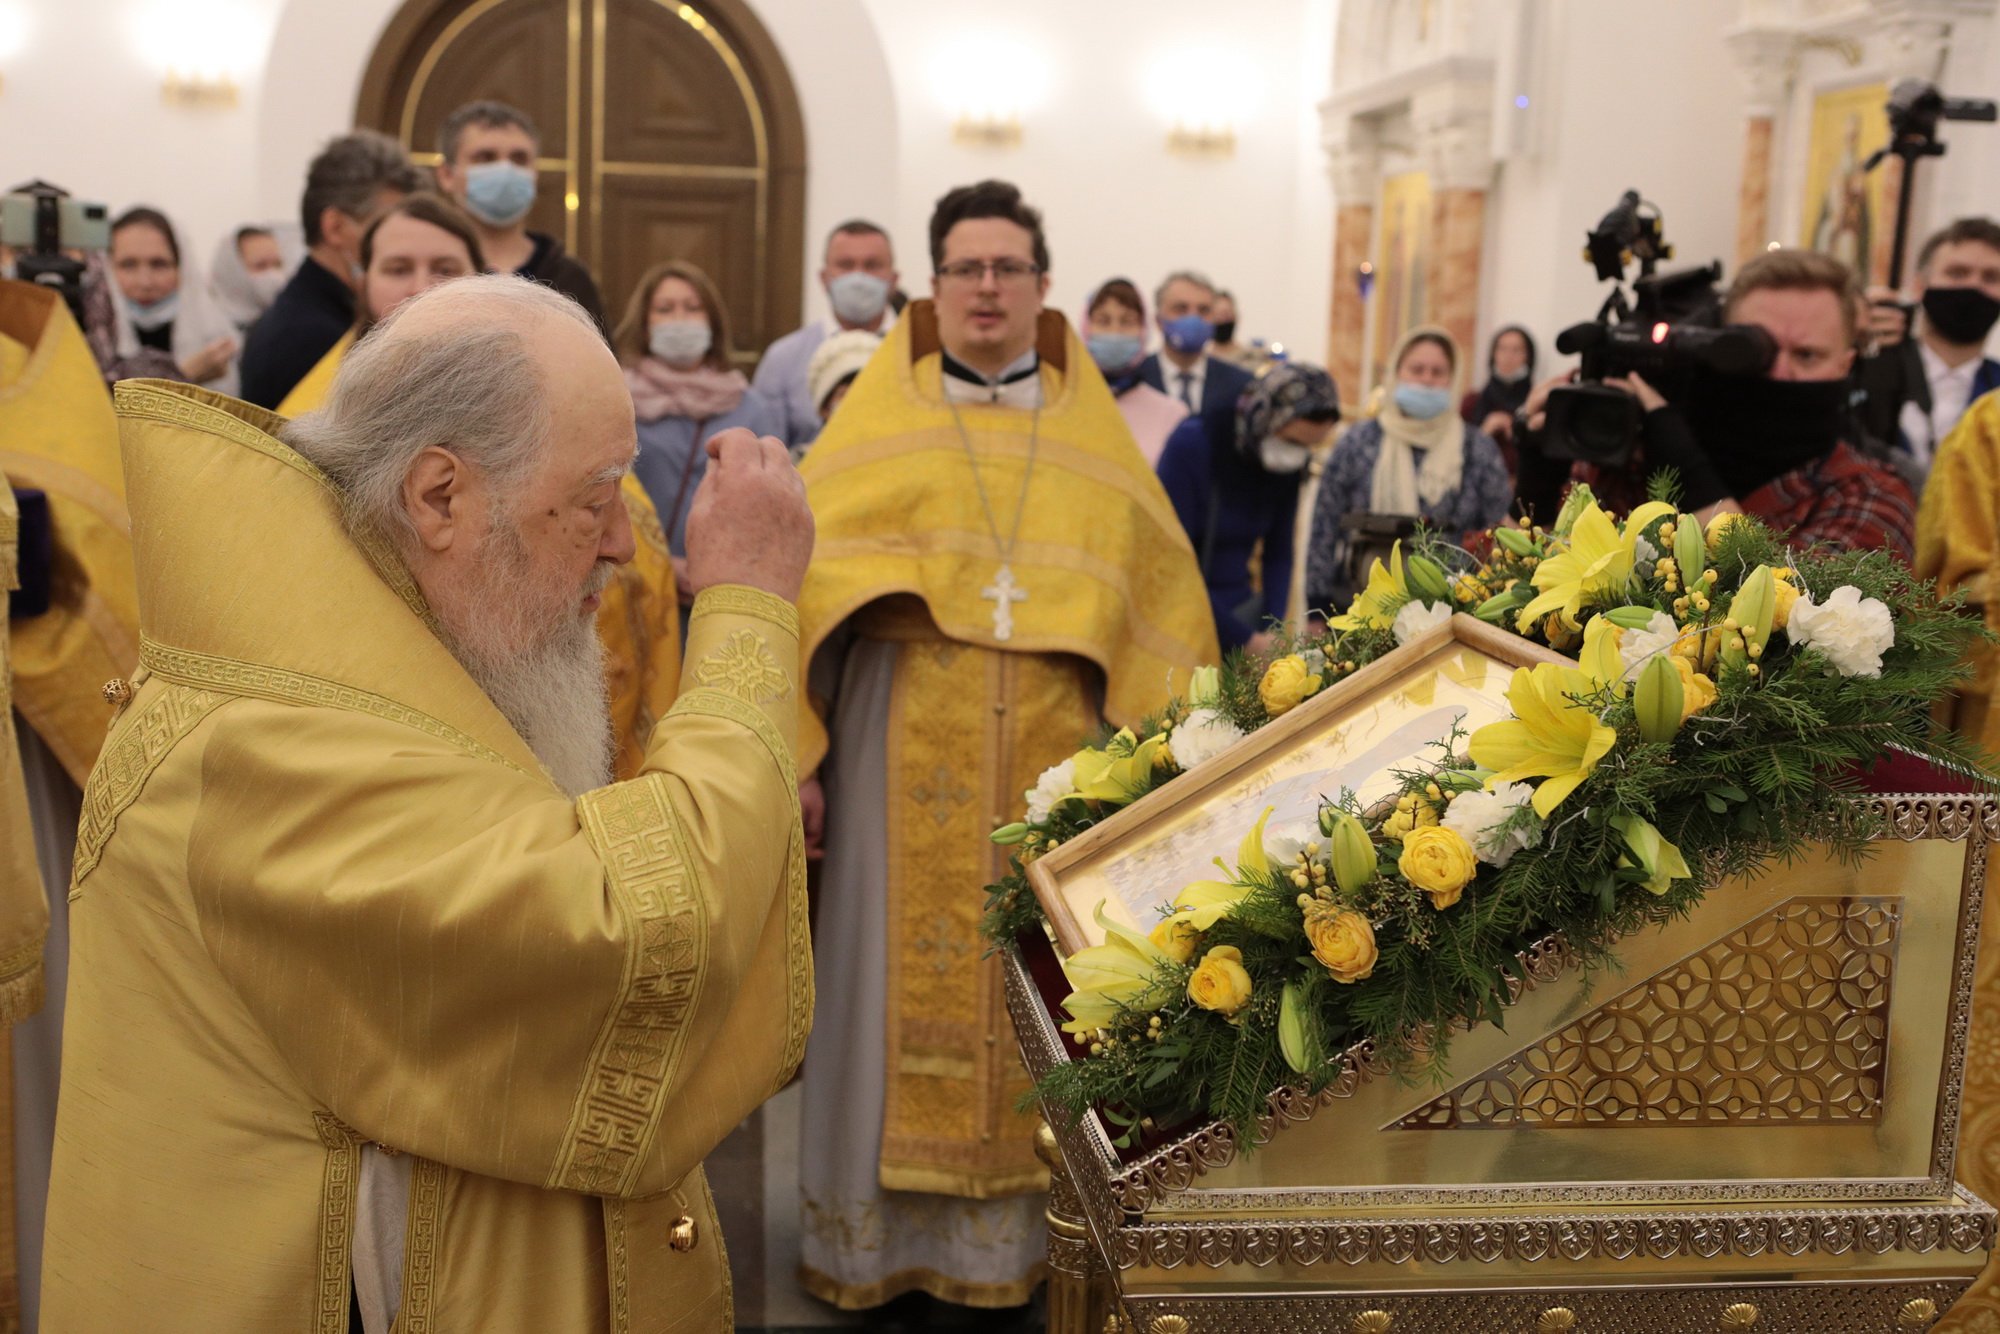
1206,902
1119,974
1106,776
1375,607
1250,857
1595,566
1549,737
1599,660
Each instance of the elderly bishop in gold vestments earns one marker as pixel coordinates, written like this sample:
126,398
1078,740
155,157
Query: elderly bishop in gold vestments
381,994
998,574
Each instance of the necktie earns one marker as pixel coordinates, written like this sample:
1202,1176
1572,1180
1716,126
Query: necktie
1187,390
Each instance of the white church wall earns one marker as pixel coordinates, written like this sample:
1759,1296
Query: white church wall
81,104
1629,96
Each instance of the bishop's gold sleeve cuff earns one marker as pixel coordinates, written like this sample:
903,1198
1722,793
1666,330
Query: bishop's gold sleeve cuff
744,642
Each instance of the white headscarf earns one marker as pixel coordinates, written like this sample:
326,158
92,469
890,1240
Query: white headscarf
1400,486
197,322
229,283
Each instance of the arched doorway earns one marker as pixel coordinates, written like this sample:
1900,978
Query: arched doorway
669,131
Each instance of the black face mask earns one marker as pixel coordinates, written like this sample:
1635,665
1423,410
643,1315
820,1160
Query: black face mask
1226,332
1961,315
1754,429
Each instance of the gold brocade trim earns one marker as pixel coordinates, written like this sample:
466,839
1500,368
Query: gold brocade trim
865,1296
615,1260
283,686
21,982
140,743
656,891
417,1313
798,928
744,666
198,409
339,1188
743,600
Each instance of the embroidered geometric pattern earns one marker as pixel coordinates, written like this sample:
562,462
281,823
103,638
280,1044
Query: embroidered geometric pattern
744,665
634,829
288,687
1784,1021
338,1189
798,929
740,600
136,749
420,1237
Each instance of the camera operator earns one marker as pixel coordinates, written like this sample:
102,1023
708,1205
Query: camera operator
1919,387
1776,446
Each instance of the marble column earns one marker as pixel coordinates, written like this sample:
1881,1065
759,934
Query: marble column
1454,144
1356,182
1753,192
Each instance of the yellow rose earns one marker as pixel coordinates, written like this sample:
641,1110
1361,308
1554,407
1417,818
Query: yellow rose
1175,937
1287,684
1220,982
1697,691
1562,638
1341,940
1439,862
1699,647
1719,525
1784,593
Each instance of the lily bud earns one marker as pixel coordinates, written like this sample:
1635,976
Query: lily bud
1753,609
1659,699
1353,853
1425,578
1500,608
1630,618
1205,688
1690,550
1009,834
1514,540
1296,1037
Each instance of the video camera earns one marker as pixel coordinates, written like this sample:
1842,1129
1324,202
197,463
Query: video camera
1671,329
41,223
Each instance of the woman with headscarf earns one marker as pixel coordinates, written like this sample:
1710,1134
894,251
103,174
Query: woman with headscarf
1238,498
1414,459
1510,376
159,303
1115,334
251,266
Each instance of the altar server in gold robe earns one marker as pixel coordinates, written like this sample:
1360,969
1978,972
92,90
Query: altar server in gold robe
379,993
998,572
58,442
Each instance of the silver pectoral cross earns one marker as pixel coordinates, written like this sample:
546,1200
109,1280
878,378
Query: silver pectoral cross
1003,593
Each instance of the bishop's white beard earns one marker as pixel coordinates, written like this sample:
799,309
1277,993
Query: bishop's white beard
530,648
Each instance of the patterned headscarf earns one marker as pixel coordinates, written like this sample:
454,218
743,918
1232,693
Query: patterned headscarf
1285,392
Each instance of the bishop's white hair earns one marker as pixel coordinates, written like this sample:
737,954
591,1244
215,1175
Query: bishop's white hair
470,385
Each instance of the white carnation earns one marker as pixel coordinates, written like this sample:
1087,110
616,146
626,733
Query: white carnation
1417,617
1202,735
1056,782
1637,647
1286,845
1850,630
1645,556
1477,817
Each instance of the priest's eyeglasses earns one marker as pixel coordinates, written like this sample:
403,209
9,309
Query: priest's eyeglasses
1005,271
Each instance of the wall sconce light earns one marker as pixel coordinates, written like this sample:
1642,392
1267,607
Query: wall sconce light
198,91
1203,95
201,48
1211,140
987,83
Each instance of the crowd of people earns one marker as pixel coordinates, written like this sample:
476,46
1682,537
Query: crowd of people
1023,528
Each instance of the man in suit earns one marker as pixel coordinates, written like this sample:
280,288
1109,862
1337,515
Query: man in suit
1209,386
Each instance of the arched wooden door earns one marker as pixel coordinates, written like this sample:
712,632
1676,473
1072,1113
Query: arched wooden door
669,131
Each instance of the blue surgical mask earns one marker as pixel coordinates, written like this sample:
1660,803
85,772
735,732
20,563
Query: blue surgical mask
858,298
499,194
680,342
156,314
1188,334
1422,401
1114,352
